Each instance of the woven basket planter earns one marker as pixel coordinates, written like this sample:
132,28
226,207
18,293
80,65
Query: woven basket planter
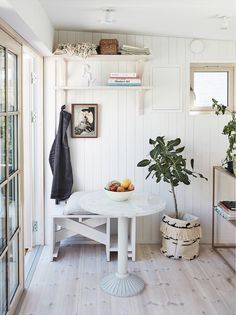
180,237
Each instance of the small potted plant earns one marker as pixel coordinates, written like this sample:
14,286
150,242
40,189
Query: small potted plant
181,232
230,131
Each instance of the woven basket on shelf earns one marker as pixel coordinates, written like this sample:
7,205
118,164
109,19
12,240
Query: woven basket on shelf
108,46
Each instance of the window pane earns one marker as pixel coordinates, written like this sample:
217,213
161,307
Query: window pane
13,206
2,148
12,144
3,223
12,82
2,79
3,286
14,266
208,85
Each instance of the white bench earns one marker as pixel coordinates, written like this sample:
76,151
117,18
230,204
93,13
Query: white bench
92,226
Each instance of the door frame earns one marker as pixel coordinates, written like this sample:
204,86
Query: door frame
35,192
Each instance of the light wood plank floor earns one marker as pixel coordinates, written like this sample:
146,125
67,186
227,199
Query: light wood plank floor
70,286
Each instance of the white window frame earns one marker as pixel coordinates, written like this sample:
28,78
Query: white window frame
207,67
15,47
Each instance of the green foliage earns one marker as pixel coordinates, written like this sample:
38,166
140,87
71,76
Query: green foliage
229,129
168,164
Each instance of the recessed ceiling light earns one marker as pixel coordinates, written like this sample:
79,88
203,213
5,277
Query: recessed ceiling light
224,21
108,16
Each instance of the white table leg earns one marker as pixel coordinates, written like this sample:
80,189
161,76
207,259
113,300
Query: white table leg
122,283
122,247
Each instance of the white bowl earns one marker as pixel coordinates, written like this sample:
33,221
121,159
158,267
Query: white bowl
118,196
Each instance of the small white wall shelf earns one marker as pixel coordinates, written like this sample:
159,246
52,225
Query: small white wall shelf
142,58
62,74
104,87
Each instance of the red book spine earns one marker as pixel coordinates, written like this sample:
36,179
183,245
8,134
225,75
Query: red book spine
221,205
125,78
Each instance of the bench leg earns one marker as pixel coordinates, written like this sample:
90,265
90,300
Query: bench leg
108,234
52,244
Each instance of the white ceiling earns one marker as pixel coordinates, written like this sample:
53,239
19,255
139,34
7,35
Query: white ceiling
182,18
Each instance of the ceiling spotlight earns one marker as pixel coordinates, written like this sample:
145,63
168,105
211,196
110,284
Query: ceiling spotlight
224,21
108,16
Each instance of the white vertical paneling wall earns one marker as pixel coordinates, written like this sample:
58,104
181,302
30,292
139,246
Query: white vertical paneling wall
124,134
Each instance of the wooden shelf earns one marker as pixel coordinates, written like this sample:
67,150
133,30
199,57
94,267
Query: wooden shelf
223,170
105,58
232,222
104,87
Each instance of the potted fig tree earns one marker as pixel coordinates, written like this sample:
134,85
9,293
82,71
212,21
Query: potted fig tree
229,130
181,232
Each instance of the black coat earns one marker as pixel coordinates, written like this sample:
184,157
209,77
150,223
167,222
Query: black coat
60,162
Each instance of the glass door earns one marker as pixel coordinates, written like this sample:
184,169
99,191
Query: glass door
11,249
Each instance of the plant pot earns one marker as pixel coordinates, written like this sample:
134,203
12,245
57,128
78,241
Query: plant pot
180,237
234,165
230,167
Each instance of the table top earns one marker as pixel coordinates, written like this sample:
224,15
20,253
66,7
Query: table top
139,204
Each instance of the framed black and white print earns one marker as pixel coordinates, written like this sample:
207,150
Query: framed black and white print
84,121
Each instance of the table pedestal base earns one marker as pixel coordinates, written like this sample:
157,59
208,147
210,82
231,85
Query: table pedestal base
123,286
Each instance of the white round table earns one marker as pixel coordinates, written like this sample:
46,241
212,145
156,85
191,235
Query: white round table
122,283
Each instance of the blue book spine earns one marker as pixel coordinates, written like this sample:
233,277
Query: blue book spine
224,214
124,84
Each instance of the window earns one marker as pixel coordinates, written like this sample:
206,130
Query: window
11,248
211,81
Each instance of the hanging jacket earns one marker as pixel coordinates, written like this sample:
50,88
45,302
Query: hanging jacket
60,162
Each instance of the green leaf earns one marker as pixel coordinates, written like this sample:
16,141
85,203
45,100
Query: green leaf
186,180
152,168
175,182
143,163
179,150
192,163
214,101
152,141
153,153
173,143
159,168
201,176
160,140
158,179
188,171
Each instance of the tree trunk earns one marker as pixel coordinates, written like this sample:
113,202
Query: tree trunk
175,201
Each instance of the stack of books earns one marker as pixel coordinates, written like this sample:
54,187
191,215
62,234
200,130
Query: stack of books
227,209
124,79
132,50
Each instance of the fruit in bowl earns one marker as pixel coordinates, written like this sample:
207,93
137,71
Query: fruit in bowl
119,191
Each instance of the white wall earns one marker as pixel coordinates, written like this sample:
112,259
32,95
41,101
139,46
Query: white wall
28,19
123,133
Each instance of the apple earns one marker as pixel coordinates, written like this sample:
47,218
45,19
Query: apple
112,183
131,187
114,187
120,189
